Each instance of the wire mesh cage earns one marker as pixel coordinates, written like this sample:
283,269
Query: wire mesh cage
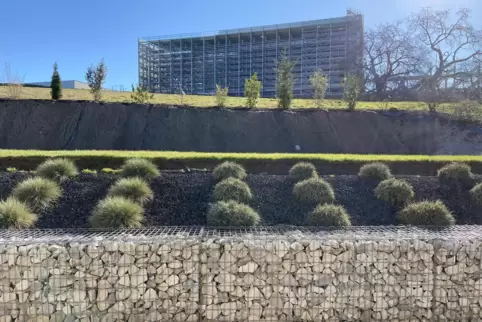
242,274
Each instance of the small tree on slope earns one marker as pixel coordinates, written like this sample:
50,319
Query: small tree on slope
95,77
284,81
56,84
352,88
319,83
140,95
252,88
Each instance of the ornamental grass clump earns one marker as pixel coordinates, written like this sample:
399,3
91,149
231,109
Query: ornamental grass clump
375,171
426,213
57,169
394,191
14,214
135,189
302,171
37,193
328,215
117,212
232,189
228,169
141,168
314,191
232,213
455,174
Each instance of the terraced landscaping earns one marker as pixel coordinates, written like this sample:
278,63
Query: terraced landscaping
184,198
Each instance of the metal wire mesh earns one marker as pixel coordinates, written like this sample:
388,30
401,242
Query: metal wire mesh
242,274
85,235
355,233
352,233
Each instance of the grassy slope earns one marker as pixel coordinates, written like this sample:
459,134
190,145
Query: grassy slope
171,155
203,101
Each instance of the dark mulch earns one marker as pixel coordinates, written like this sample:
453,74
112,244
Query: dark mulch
180,199
8,181
183,199
79,197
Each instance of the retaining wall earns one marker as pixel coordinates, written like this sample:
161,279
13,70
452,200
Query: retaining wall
356,275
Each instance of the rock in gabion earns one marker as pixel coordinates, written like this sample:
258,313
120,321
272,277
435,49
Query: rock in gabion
246,278
105,281
318,280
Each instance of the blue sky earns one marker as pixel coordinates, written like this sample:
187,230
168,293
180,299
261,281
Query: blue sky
76,34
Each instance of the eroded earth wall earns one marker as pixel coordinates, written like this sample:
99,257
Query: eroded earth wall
33,124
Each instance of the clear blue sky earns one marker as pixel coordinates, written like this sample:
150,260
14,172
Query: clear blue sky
76,34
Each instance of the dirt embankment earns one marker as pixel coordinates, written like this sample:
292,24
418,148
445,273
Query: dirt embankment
34,124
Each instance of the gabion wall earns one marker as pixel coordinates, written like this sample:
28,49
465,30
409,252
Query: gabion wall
211,275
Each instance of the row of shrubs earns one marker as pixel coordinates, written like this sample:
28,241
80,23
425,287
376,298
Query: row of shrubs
399,193
123,205
455,177
309,188
231,193
122,208
231,196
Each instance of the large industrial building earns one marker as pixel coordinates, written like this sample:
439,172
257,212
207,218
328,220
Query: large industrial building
195,63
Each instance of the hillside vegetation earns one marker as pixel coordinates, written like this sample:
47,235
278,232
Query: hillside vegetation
206,101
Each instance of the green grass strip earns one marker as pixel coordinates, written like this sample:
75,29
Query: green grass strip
174,155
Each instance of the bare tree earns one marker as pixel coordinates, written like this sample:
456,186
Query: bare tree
14,82
453,41
390,52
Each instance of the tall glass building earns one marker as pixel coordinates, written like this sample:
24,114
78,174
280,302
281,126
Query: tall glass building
195,63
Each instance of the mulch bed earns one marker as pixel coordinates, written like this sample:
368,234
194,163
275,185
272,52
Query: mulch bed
183,199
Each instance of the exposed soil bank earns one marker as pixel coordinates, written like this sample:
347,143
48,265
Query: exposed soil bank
183,199
35,124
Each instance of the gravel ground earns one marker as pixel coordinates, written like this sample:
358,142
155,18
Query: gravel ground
183,199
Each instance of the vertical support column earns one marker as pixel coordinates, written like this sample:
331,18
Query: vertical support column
289,43
316,42
148,59
204,63
226,59
276,77
159,64
192,75
345,56
239,63
138,61
262,62
277,49
181,61
215,57
170,66
250,53
302,48
329,62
